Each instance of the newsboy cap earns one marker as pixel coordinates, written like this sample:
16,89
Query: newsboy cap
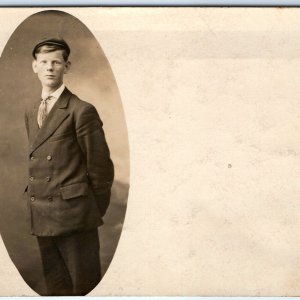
53,41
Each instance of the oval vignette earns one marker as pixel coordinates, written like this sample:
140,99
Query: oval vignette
92,80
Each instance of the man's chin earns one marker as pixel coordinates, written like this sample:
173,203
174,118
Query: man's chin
51,84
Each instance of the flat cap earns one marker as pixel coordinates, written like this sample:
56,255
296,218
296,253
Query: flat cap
53,41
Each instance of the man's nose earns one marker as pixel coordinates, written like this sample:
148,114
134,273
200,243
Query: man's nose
49,67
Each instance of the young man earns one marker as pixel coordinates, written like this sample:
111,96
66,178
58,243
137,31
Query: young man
70,176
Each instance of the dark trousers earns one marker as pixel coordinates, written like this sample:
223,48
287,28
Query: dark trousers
71,264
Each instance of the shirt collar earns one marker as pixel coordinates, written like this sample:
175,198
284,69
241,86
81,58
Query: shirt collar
55,94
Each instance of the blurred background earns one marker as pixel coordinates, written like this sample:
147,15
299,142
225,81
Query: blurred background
92,80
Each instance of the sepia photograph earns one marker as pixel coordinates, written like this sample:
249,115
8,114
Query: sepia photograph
66,160
195,109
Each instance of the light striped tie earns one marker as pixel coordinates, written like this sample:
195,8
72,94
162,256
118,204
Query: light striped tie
42,113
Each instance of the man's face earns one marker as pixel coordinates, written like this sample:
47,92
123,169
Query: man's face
50,68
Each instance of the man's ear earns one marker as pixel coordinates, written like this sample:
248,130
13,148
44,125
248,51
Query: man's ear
34,66
67,67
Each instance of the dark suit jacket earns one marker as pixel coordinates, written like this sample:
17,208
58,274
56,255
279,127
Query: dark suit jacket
70,170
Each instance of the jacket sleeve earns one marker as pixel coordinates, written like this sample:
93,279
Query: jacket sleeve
91,139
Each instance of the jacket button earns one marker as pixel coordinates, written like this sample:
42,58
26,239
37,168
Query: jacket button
32,198
49,157
31,157
31,178
48,178
50,198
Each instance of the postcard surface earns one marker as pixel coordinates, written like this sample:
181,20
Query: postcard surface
197,112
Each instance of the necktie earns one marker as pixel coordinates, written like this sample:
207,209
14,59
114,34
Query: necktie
42,113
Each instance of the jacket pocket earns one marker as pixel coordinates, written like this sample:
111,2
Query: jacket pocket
74,190
61,136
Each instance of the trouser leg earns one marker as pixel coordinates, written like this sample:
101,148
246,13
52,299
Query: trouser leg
71,263
57,277
81,256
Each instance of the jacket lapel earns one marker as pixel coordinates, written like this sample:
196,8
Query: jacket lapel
33,125
56,116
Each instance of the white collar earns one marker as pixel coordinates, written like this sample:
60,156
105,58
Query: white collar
55,94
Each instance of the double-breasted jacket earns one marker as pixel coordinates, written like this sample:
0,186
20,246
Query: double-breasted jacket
70,169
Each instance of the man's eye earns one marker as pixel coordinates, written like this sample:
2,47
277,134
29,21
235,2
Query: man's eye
57,63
